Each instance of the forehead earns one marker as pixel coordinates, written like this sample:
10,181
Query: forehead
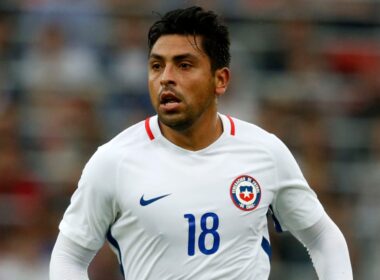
173,45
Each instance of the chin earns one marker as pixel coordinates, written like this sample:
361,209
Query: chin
174,122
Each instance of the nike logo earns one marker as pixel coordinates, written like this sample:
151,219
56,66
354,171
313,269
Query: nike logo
145,202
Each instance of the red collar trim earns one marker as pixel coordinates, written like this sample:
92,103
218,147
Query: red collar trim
232,131
148,130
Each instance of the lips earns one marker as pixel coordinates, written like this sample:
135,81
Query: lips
168,97
169,101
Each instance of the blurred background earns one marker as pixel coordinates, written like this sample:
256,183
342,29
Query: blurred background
73,75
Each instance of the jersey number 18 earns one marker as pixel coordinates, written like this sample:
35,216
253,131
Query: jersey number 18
206,230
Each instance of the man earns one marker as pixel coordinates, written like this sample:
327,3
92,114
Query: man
185,194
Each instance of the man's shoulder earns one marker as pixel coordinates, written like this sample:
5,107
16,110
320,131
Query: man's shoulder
134,134
252,134
249,129
130,140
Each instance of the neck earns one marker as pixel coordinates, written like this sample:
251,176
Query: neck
201,134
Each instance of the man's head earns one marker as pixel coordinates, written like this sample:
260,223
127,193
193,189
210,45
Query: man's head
194,21
188,67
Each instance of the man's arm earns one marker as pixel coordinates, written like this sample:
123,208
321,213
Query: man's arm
86,221
327,248
69,260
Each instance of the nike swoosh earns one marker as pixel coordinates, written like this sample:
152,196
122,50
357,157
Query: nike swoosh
145,202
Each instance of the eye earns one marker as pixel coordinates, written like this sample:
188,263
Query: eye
155,66
185,65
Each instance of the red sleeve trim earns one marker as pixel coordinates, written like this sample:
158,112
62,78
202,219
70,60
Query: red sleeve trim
232,131
148,130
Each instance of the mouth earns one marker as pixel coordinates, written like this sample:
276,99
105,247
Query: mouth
169,101
168,97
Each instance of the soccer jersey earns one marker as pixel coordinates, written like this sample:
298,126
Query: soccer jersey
171,213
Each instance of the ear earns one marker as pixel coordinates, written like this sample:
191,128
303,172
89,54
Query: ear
222,79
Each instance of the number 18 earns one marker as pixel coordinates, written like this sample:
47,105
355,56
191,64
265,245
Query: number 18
204,232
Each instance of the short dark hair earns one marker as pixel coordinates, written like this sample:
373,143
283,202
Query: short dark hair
196,21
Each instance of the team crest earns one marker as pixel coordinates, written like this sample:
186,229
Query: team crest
245,193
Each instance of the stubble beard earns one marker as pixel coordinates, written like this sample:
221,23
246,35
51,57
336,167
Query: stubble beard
177,121
182,121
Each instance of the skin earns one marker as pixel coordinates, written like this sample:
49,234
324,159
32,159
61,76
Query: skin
184,91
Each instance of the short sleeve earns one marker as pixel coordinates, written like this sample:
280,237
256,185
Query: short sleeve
295,204
92,207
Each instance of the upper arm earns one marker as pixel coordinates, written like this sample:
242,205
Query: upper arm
92,208
295,204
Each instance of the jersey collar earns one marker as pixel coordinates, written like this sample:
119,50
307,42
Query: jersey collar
153,130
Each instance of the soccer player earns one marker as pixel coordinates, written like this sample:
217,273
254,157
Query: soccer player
185,194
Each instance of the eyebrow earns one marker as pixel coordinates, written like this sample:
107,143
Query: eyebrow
175,58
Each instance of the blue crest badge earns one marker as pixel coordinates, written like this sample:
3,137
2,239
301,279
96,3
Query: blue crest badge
245,193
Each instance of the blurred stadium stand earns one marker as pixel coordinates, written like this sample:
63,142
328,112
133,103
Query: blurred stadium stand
74,75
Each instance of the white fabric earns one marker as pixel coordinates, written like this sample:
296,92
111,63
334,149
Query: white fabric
328,249
195,224
69,260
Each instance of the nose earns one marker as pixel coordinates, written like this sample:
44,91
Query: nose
167,76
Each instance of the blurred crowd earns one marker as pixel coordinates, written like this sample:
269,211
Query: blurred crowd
73,75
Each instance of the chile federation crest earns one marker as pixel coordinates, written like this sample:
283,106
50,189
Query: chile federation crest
245,193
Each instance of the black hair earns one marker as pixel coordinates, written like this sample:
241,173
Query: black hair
196,21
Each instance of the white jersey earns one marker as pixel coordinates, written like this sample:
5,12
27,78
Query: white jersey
171,213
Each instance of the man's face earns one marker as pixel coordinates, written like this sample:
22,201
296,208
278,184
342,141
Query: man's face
181,83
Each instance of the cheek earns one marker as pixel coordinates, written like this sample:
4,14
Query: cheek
153,84
153,91
205,91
